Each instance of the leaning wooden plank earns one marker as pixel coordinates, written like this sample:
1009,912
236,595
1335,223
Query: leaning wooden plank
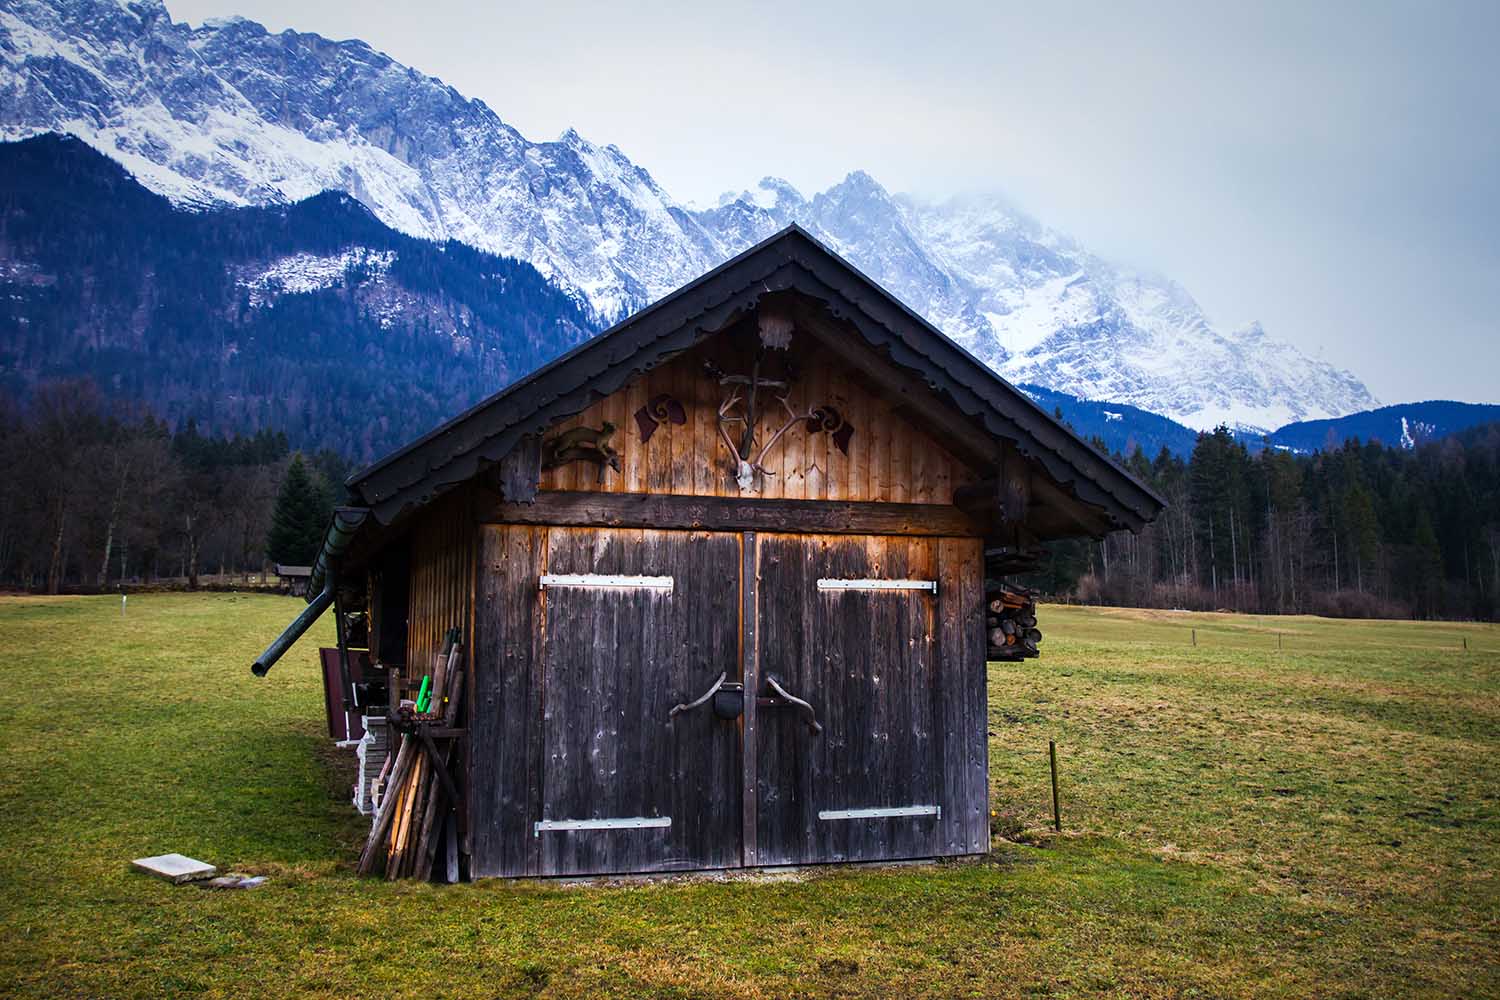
451,835
395,863
432,811
399,792
413,823
439,675
449,673
374,846
438,807
455,689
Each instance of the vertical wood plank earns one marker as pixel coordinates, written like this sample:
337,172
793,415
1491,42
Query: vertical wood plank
923,472
901,465
633,452
880,454
836,477
678,382
860,447
794,457
814,446
750,676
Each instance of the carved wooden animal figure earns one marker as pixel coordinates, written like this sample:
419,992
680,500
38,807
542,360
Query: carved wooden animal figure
582,444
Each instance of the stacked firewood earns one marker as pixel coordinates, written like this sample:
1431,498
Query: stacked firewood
418,813
1011,623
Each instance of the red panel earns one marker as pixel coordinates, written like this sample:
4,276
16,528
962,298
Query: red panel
333,696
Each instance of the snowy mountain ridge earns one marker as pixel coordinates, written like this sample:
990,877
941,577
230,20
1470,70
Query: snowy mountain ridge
229,113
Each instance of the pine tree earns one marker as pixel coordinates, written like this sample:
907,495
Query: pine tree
300,518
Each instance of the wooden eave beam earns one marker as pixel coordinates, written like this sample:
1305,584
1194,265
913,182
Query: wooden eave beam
586,508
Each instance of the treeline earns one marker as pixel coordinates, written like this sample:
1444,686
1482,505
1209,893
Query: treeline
231,318
1363,530
95,495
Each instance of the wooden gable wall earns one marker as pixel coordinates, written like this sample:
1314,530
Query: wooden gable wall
889,459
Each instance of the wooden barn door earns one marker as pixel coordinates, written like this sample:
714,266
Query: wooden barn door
635,622
877,636
589,637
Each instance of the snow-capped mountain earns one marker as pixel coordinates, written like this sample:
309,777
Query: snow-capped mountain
256,318
228,113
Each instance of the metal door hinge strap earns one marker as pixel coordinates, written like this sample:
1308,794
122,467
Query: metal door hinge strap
605,580
880,813
929,585
618,823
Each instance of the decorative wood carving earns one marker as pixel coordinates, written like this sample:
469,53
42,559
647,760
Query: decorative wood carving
737,409
663,408
582,444
826,418
776,331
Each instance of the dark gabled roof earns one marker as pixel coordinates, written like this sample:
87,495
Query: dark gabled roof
791,260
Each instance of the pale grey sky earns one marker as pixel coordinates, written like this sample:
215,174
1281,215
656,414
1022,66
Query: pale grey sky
1331,169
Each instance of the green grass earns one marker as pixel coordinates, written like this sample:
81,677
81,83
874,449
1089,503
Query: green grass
1239,822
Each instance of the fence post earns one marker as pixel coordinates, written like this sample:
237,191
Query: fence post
1056,811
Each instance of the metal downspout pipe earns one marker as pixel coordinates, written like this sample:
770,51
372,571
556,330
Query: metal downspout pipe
346,521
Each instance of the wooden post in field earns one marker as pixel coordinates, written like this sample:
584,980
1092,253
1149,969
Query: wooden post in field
1195,637
1056,811
1278,642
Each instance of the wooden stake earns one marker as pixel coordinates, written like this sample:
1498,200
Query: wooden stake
1195,637
388,800
1056,809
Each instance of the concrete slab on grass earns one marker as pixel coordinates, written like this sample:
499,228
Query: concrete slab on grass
173,867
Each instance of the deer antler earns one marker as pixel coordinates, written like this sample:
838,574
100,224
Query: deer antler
724,418
793,418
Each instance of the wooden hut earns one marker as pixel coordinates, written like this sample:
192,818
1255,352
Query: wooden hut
720,580
293,579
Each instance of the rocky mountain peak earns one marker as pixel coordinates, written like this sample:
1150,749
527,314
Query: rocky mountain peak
229,113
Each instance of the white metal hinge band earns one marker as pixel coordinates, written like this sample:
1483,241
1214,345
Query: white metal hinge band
607,580
619,823
929,585
880,813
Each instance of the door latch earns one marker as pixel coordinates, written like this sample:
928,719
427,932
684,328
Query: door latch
785,699
728,699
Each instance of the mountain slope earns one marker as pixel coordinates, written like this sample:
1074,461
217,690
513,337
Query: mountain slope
1405,425
313,318
228,113
1042,310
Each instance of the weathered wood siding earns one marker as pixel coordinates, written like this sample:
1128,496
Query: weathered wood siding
890,459
441,575
573,699
574,686
897,680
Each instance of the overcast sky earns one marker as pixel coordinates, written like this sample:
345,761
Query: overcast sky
1332,170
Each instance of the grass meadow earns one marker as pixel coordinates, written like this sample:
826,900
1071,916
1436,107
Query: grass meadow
1318,820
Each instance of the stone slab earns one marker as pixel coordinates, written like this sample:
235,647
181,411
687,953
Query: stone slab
174,867
234,881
